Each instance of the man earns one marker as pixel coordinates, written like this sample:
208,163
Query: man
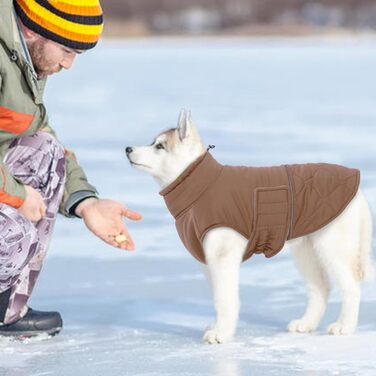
38,176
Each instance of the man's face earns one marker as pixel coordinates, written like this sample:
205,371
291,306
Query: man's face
50,57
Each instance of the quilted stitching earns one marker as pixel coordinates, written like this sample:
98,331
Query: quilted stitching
322,193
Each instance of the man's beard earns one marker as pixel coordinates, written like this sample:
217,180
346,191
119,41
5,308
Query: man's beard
43,67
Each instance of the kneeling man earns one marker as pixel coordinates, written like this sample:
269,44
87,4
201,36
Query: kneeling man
39,176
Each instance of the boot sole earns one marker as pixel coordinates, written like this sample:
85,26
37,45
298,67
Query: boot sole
33,333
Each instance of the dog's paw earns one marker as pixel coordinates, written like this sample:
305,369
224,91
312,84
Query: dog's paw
338,329
301,326
215,336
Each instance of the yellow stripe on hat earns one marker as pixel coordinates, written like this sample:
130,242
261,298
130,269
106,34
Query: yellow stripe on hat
49,19
80,3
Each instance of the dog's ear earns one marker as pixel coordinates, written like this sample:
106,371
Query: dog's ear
185,125
182,125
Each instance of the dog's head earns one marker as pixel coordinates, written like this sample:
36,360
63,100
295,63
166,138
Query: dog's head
171,152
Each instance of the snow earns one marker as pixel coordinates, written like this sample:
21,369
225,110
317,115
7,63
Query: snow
261,102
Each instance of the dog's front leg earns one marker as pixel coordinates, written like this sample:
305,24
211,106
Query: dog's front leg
223,264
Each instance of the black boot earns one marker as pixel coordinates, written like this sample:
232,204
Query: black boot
33,324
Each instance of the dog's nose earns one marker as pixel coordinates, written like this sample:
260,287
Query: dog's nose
128,150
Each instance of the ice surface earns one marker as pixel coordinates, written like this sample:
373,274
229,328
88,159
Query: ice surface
261,102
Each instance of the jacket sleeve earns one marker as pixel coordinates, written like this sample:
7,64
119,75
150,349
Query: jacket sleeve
12,191
76,186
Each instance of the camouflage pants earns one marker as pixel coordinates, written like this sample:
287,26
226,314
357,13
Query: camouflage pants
38,161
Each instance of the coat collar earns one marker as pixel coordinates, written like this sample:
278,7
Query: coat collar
191,184
12,40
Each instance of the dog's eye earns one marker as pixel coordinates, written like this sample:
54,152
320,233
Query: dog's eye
159,146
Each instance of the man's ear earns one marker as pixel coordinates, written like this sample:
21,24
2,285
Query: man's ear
29,35
185,125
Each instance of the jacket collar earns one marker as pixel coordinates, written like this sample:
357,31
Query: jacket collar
19,36
191,184
12,37
7,25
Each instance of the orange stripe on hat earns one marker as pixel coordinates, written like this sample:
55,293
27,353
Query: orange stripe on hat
78,10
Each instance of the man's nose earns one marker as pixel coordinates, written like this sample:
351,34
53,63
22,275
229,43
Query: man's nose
128,149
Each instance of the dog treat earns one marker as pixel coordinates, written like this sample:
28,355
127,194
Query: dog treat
120,238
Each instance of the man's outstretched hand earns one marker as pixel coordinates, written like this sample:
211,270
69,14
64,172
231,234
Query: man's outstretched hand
104,218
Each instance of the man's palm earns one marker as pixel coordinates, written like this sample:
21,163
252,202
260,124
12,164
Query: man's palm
105,219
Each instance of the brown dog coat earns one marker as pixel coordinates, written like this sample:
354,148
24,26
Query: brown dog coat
267,205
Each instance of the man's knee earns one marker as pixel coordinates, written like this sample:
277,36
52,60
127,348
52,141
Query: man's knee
41,141
35,158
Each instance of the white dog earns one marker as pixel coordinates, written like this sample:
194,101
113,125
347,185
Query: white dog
340,251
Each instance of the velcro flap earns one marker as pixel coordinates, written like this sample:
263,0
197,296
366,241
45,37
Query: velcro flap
271,220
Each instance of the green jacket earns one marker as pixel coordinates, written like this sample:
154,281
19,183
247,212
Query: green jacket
22,113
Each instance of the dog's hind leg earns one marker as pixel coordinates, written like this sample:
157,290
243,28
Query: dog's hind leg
350,291
317,283
342,271
340,247
224,250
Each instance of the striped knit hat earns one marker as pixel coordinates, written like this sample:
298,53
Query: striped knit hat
73,23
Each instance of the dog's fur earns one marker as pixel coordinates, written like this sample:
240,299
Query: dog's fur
340,251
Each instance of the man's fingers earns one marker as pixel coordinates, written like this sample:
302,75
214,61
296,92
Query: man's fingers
131,214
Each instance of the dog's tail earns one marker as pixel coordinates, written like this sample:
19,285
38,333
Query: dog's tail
366,267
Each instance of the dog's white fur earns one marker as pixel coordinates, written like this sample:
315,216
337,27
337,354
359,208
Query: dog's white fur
341,251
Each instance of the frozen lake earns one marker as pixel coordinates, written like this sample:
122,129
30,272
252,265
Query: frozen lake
261,102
